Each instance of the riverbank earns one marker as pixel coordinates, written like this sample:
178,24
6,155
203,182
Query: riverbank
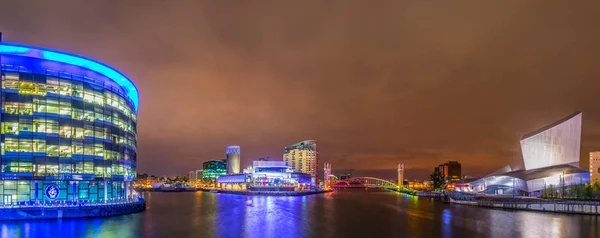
343,213
430,194
59,212
531,204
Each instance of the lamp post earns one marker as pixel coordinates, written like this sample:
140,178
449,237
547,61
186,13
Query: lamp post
562,190
513,184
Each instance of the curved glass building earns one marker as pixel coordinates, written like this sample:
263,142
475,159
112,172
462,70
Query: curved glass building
68,127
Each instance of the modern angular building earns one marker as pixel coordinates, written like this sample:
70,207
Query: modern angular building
302,157
551,159
233,159
68,127
554,144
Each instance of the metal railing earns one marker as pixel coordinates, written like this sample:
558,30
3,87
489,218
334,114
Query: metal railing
64,203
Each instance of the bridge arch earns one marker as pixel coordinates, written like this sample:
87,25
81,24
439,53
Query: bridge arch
364,182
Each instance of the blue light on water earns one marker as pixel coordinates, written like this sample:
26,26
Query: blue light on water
116,76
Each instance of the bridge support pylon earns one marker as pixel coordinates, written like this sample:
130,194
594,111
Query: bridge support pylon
400,176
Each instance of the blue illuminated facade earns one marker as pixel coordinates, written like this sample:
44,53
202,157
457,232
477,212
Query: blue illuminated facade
68,123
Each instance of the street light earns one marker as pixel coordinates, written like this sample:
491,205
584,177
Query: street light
513,183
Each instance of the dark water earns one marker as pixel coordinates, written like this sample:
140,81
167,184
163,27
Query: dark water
338,214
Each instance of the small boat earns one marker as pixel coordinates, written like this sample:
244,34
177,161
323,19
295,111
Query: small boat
214,191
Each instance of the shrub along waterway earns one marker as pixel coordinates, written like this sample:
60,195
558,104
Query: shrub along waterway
349,213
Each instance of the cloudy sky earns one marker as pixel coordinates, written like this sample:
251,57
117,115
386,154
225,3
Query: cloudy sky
374,82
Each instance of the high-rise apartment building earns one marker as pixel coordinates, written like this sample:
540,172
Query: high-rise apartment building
451,171
194,175
595,167
302,157
327,175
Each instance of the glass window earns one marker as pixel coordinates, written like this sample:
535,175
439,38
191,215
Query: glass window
39,145
51,169
52,85
99,149
65,87
11,107
65,168
11,81
52,150
25,145
88,167
51,126
10,128
78,167
99,98
88,96
78,133
25,108
88,149
65,131
78,114
99,171
11,144
77,147
88,115
65,107
65,151
25,124
52,105
39,105
77,87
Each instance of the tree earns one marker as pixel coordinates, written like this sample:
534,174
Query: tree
596,191
587,192
437,178
576,191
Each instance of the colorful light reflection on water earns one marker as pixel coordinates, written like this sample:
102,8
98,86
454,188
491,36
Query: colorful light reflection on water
338,214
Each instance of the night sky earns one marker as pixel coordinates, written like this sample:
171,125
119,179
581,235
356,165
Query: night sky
375,83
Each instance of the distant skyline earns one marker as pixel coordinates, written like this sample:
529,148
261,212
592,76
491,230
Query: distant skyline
374,83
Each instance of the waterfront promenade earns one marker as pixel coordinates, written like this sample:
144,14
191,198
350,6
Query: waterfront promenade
80,210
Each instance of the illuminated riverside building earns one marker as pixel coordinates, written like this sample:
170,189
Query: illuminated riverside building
595,167
302,157
68,126
212,170
266,176
551,159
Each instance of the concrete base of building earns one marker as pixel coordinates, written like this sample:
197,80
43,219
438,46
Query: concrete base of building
96,210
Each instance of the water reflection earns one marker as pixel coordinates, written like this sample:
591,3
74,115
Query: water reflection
339,214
